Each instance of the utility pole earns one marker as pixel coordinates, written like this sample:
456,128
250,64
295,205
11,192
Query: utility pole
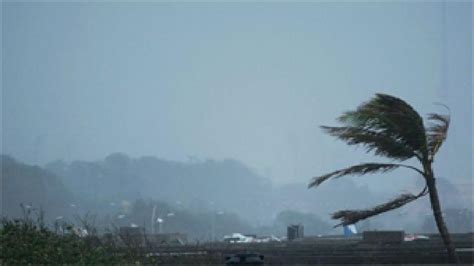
153,221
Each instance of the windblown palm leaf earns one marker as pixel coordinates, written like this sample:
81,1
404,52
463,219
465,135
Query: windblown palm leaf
379,142
360,169
353,216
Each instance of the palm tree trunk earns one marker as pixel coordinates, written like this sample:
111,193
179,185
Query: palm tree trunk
438,215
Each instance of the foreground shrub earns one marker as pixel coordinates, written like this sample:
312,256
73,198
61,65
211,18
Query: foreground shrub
24,241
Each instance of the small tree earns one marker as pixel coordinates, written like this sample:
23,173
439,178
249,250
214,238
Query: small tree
391,128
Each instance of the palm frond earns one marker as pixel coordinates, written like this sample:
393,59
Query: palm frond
353,216
360,169
381,143
392,118
437,132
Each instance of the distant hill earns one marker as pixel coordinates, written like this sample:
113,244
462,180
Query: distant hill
202,185
31,185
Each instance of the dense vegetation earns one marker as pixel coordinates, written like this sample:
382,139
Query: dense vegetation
27,240
30,240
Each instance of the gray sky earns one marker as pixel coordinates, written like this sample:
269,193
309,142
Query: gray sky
246,81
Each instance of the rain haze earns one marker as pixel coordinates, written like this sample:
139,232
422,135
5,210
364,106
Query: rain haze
230,86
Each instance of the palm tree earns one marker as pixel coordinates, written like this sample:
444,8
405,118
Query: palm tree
390,127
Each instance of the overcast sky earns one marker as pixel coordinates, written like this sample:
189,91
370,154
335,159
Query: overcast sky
246,81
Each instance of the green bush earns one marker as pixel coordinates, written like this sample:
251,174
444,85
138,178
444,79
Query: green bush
24,241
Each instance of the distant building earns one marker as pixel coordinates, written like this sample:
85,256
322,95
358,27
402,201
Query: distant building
295,231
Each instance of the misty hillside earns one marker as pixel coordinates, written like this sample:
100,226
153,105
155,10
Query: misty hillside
106,192
198,190
207,185
32,185
204,185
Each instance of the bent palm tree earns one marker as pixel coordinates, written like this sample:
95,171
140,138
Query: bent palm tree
390,127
